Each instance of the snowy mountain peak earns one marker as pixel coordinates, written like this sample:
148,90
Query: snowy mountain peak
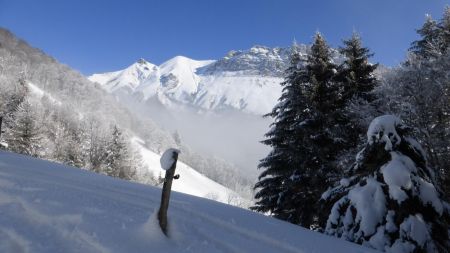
244,80
142,61
127,79
258,60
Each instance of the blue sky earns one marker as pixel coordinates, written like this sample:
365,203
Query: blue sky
104,35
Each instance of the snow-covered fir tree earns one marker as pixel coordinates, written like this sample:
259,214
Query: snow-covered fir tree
434,37
389,202
118,162
24,136
301,163
428,45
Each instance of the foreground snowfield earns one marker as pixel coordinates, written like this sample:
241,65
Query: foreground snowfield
47,207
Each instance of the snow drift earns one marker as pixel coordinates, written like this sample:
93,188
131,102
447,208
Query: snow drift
47,207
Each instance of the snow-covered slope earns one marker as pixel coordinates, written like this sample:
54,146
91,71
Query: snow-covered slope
46,207
191,181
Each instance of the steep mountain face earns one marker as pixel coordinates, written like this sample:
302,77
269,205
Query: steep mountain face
247,80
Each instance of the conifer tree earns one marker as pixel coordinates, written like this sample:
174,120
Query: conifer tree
278,164
24,135
390,202
444,31
420,93
301,163
119,162
357,99
428,45
356,72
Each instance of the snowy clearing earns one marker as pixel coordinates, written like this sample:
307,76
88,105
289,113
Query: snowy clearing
47,207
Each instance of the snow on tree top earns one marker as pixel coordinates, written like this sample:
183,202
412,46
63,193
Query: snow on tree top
167,158
383,129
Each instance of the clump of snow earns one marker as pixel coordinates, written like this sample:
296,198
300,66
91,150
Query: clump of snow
378,241
390,223
397,175
167,158
3,144
429,195
363,197
383,129
344,182
413,229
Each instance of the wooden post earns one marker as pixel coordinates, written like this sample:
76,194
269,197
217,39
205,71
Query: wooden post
1,119
165,197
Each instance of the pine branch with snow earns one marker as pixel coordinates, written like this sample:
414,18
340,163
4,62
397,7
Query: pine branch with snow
390,202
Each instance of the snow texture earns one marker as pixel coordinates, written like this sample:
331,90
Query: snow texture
47,207
397,175
383,128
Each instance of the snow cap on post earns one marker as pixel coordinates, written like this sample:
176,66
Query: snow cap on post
167,158
383,129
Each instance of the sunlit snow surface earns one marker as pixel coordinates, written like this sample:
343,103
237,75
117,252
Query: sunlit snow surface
190,181
46,207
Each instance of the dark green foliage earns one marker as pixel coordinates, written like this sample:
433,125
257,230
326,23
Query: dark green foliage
304,147
356,73
357,82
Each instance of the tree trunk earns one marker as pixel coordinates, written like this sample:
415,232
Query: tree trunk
165,197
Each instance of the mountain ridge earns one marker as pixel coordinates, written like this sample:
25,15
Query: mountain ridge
244,80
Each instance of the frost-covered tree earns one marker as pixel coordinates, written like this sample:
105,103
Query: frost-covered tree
302,161
389,202
419,92
434,37
24,136
444,31
120,162
428,45
98,143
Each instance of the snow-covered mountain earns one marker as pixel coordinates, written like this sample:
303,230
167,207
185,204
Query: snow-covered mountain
247,80
48,207
215,105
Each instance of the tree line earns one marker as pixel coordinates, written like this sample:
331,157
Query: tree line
334,170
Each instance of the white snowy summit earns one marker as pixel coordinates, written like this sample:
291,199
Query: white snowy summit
127,79
246,80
